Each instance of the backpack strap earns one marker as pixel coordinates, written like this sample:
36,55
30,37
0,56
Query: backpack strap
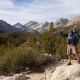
71,32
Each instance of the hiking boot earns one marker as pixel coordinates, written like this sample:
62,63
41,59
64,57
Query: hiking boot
78,62
69,63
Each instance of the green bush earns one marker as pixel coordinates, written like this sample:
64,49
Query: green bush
20,57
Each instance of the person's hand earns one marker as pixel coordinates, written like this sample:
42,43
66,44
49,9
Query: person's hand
70,37
58,31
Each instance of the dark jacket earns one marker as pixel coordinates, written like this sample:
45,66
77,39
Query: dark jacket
75,37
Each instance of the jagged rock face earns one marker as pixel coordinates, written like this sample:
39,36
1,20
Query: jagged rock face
39,27
71,18
30,24
18,25
28,27
32,27
60,22
66,22
72,21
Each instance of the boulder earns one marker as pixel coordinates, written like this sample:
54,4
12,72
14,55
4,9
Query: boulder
77,78
19,77
64,72
27,68
2,77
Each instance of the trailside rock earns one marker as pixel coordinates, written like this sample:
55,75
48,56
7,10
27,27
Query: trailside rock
36,76
19,77
2,77
64,72
48,73
27,68
77,78
8,78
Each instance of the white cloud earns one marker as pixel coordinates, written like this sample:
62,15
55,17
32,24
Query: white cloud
4,4
39,10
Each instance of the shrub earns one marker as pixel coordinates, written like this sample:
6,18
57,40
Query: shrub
20,57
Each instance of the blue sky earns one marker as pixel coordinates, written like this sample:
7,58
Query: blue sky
23,11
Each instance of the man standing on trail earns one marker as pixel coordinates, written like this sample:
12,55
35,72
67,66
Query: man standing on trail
72,41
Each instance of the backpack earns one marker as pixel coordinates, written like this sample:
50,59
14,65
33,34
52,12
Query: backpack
75,37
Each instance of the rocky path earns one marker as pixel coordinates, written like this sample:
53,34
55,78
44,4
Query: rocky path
55,71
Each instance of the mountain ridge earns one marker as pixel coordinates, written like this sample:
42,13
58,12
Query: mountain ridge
33,26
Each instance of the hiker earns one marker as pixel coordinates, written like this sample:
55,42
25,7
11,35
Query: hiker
72,41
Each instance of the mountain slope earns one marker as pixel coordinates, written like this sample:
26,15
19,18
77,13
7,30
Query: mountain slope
33,26
1,31
31,23
39,27
6,27
60,22
19,27
72,21
66,22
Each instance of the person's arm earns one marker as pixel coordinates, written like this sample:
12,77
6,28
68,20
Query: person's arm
62,34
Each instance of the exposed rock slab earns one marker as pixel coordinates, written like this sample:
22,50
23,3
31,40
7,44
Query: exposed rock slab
64,72
55,71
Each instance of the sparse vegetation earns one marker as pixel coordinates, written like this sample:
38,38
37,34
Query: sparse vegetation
15,52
